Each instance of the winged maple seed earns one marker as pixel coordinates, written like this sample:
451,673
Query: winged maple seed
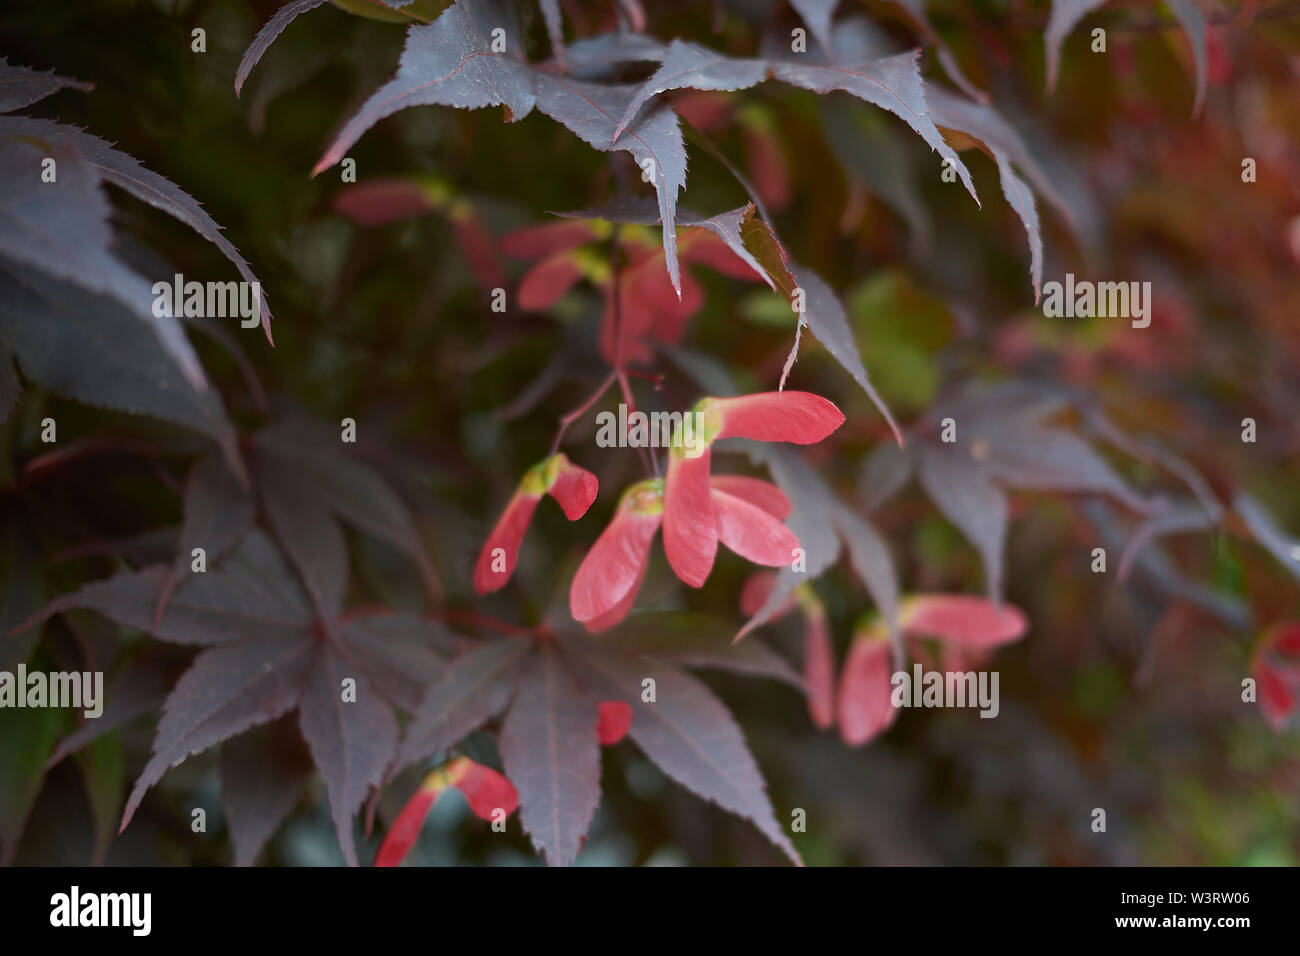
490,796
648,310
965,623
693,520
572,486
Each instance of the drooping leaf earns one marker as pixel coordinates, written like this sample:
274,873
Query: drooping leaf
267,35
448,62
218,513
893,83
552,756
873,155
103,768
352,740
90,349
349,487
1189,17
884,472
264,773
1283,546
591,112
1010,153
686,65
141,688
26,737
21,86
869,557
230,688
306,531
811,519
126,173
591,58
961,490
61,228
554,28
249,595
916,8
818,14
1065,16
822,309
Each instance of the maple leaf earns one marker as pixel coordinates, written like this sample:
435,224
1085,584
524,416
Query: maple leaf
551,754
266,653
267,35
449,62
93,350
892,83
265,773
62,228
999,441
125,172
916,10
821,308
306,484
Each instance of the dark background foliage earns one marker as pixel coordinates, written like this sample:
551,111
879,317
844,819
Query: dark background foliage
1123,695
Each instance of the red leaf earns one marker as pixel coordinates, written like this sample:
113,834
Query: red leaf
690,527
615,565
613,718
865,710
962,619
799,417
